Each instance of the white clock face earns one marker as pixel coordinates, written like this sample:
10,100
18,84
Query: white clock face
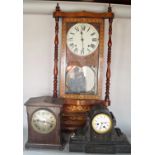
101,123
43,121
82,39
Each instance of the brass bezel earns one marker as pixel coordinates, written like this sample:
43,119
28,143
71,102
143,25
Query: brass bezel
38,131
101,132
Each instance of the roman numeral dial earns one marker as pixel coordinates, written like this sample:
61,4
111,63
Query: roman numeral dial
82,39
43,121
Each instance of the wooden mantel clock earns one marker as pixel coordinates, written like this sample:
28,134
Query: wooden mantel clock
44,127
82,58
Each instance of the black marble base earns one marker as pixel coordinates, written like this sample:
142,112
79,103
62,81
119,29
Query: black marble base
117,144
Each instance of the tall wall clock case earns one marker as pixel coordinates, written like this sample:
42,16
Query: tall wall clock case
82,55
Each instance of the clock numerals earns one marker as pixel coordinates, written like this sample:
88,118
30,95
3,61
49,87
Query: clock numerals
76,28
92,34
88,29
94,39
72,33
76,50
71,45
82,51
70,39
92,46
83,27
88,50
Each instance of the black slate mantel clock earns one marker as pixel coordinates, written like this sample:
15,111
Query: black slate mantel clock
99,135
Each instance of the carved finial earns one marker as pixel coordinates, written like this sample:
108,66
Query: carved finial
57,7
109,8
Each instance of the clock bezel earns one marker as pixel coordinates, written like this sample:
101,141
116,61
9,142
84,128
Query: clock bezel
101,132
45,110
90,26
100,48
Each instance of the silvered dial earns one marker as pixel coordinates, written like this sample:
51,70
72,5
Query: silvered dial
82,39
43,121
101,123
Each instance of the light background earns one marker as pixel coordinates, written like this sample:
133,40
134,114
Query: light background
38,52
142,77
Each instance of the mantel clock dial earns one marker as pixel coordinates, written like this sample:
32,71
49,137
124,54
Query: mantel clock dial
43,121
101,123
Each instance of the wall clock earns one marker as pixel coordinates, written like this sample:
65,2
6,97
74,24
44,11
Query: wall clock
99,135
44,127
81,61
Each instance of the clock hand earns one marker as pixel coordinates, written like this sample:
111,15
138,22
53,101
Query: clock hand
82,39
44,121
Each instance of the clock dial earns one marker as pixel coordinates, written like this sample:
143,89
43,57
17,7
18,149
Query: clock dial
82,39
101,123
43,121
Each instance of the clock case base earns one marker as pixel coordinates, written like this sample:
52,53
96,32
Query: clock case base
119,144
43,146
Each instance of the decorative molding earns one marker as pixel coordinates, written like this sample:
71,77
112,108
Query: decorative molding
48,7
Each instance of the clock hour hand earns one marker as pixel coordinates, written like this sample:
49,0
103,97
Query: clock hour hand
82,40
44,121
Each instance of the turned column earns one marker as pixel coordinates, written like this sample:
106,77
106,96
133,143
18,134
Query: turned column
56,43
108,72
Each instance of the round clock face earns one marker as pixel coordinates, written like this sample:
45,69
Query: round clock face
101,123
43,121
82,39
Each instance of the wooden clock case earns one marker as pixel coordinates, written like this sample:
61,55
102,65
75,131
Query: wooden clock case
53,139
76,105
